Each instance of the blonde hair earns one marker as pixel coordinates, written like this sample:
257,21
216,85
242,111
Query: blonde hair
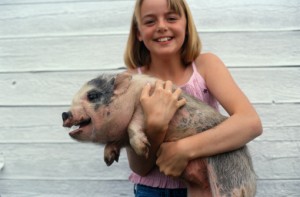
136,53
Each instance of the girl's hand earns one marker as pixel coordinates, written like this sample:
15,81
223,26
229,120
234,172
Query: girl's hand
172,158
160,106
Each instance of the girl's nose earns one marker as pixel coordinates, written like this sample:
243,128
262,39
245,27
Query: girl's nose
161,27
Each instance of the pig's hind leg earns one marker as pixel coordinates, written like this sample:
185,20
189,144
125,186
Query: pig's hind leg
137,137
232,175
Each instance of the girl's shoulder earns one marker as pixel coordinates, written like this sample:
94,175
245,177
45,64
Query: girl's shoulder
207,62
207,59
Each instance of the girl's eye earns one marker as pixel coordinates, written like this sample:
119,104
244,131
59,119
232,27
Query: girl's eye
172,18
148,22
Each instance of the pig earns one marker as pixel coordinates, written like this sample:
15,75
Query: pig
107,110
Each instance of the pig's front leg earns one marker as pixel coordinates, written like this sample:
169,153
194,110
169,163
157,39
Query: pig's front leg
136,132
111,153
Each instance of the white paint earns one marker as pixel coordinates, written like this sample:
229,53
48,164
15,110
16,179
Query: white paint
49,48
1,161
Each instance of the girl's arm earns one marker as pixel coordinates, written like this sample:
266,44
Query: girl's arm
242,126
156,121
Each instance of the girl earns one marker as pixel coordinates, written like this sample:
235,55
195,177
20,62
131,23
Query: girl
163,42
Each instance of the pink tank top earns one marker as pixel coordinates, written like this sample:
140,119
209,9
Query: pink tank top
196,87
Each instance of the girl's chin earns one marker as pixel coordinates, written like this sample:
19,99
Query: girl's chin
163,52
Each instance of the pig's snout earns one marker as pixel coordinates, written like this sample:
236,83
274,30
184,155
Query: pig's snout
65,115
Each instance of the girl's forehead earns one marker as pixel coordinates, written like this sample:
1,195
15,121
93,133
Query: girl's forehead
155,6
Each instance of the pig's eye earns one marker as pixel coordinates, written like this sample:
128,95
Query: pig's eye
94,96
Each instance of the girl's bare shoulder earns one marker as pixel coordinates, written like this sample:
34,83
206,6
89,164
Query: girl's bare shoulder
208,61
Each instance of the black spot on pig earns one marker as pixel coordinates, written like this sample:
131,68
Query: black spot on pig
103,91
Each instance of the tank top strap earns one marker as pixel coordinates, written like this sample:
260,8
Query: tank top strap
139,70
196,73
194,67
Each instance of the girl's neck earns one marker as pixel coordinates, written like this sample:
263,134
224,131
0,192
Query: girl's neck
169,69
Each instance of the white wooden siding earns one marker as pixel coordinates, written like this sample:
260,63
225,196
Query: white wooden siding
49,48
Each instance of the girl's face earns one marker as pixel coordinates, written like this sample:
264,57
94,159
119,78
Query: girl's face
161,29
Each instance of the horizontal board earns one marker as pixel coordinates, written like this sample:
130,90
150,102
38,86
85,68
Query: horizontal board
26,188
18,2
52,18
79,161
58,88
280,134
65,188
62,161
276,159
275,85
282,188
236,49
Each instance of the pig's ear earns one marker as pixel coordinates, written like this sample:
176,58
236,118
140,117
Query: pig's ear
121,83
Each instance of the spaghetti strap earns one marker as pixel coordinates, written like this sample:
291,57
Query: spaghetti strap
194,67
139,70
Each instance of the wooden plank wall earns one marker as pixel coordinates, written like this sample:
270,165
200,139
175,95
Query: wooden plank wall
48,48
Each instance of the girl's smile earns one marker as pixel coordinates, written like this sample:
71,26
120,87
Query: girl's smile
163,39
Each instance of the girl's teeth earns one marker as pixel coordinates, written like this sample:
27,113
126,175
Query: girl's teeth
163,39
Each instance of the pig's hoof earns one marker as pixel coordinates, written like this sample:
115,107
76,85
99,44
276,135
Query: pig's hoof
141,146
111,157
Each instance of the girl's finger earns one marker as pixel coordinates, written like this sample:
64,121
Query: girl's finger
168,85
159,84
181,102
177,92
146,91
